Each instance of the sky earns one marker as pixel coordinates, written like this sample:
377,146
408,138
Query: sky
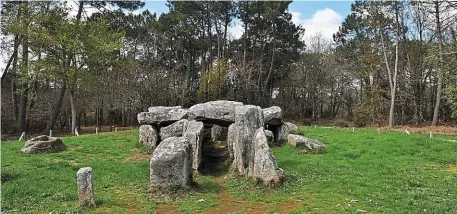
315,16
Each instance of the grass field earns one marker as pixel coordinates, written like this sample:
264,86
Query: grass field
361,171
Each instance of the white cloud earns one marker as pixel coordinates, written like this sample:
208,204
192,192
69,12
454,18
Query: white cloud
324,21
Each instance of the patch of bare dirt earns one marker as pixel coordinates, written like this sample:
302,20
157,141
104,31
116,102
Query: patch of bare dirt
226,203
441,130
137,158
168,209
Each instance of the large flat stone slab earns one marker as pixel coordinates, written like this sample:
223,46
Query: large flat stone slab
273,115
160,116
220,112
301,142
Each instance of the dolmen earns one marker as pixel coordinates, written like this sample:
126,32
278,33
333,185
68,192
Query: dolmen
176,134
43,144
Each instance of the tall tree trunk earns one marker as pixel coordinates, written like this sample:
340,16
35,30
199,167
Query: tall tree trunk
24,72
392,78
57,106
74,114
270,71
13,79
59,101
440,63
13,57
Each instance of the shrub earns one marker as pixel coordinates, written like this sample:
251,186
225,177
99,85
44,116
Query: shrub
341,123
361,116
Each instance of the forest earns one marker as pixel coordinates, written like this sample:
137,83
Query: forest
390,63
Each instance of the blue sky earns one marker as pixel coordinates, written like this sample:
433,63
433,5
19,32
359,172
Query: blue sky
315,16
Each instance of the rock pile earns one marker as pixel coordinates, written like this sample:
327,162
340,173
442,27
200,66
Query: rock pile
177,135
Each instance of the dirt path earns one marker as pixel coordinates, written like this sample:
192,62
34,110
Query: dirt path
215,164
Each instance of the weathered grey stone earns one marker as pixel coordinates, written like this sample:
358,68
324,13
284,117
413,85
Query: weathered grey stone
293,129
160,116
43,144
310,144
231,140
265,167
270,137
219,133
194,132
148,136
220,112
171,164
273,115
248,119
174,130
85,187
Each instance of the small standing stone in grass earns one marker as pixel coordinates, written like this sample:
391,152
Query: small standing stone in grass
407,132
431,136
115,129
379,131
76,132
353,129
50,133
96,130
85,187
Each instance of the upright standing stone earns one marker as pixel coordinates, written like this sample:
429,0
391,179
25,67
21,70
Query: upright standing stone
270,137
174,130
85,187
219,133
293,129
231,140
194,132
265,167
280,134
171,165
248,119
148,136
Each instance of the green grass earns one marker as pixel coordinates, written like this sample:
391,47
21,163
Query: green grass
380,173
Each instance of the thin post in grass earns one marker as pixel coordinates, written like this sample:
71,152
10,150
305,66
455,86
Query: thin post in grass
353,129
431,136
379,131
85,184
407,132
22,136
76,132
96,130
115,129
50,133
